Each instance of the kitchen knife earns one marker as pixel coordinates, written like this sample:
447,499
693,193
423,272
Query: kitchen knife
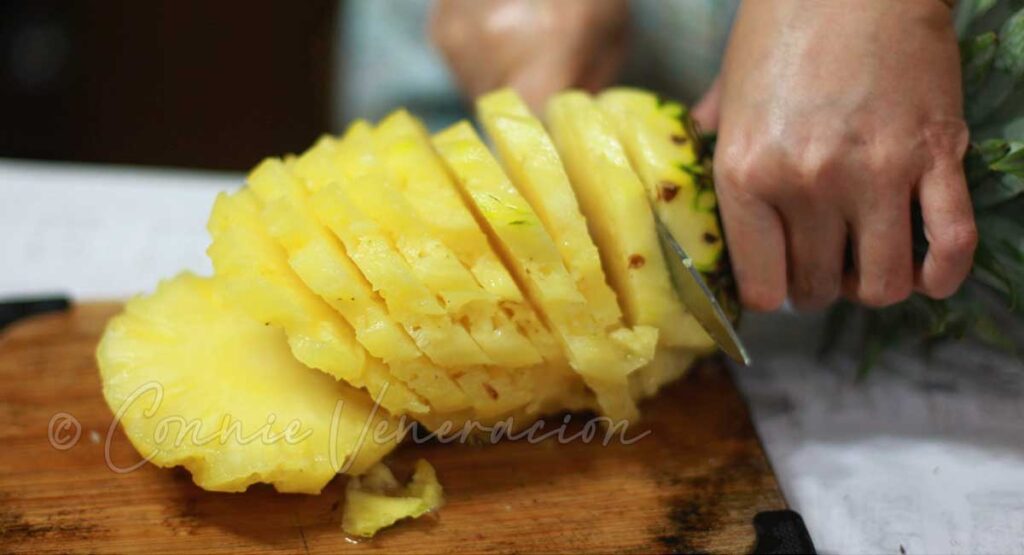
698,298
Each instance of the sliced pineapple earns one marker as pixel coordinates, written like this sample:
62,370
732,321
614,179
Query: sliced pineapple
348,198
531,254
536,169
663,147
334,171
615,203
415,170
259,279
320,261
196,382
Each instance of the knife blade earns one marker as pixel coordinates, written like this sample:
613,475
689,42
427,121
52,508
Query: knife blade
698,298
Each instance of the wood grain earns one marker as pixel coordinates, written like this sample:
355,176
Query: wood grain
693,484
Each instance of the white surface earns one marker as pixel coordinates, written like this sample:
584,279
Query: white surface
100,231
927,456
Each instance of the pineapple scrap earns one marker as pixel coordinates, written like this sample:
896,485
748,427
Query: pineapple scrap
376,500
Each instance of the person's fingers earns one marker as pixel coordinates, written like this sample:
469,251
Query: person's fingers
538,81
706,110
949,227
604,66
883,272
757,245
815,239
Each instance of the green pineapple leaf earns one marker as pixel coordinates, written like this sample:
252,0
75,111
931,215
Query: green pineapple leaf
1010,54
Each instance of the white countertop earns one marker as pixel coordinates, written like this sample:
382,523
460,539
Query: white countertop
927,456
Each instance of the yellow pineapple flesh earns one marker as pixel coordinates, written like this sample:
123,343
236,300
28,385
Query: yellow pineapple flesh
401,274
259,279
407,299
359,220
377,500
531,254
419,175
196,382
619,214
663,150
320,261
536,169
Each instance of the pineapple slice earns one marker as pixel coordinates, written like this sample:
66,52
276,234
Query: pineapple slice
414,169
260,280
320,261
531,254
615,203
198,383
415,279
335,170
408,301
536,170
663,147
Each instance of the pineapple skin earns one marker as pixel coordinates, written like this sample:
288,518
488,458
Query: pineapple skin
663,145
195,381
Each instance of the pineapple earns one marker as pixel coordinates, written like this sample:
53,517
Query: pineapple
322,264
338,169
614,200
376,500
415,170
663,146
259,279
196,382
409,301
536,170
531,254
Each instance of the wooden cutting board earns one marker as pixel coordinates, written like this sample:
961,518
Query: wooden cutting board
693,484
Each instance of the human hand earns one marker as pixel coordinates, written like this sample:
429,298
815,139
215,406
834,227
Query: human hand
538,47
833,118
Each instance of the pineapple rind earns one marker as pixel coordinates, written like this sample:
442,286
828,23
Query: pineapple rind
196,382
260,280
322,264
663,152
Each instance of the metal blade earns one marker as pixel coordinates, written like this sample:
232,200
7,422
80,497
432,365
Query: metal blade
698,298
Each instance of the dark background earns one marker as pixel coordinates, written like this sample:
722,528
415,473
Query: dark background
211,84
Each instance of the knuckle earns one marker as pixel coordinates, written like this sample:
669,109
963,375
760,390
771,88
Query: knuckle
745,170
761,299
813,170
813,292
959,240
885,292
947,137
